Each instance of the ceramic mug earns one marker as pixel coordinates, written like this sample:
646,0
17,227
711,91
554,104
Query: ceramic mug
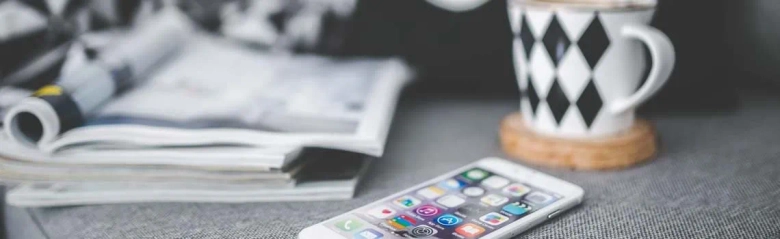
580,65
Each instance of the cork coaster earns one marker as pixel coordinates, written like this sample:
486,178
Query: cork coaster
619,151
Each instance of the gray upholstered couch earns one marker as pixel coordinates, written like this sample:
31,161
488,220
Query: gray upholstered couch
717,176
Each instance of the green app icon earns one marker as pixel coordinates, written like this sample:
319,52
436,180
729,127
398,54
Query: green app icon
475,174
348,225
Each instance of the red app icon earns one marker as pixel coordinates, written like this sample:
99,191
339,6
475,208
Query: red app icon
470,230
381,212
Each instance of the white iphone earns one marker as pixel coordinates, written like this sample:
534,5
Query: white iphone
491,198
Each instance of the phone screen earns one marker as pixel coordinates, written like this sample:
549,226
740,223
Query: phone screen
471,204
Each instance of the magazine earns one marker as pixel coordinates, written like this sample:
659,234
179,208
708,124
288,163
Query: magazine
335,178
70,194
165,112
214,157
221,96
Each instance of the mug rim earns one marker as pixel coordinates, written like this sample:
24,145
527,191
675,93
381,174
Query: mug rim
603,7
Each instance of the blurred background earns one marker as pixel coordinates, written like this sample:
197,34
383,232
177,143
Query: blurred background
721,46
725,45
726,51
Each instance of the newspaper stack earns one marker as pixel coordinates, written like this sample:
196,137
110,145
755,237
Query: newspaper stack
214,123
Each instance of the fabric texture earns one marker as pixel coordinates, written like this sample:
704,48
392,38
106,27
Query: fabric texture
717,176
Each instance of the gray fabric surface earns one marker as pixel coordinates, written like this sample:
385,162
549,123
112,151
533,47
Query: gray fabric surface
717,176
21,224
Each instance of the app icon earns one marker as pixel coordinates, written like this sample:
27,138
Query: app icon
452,184
516,190
494,218
381,212
450,201
539,198
517,208
369,234
494,200
401,222
431,192
448,220
427,211
495,182
407,202
471,210
348,225
473,191
422,231
475,174
470,230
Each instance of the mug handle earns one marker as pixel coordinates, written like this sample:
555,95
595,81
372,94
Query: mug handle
663,56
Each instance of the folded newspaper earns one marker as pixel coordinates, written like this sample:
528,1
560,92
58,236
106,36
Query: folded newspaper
220,95
214,122
332,176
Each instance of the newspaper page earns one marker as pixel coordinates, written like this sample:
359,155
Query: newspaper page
334,179
219,93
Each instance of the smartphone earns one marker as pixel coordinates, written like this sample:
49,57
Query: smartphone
491,198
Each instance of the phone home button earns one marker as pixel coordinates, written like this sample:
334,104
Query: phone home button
553,214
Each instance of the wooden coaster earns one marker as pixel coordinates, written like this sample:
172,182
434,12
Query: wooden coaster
620,151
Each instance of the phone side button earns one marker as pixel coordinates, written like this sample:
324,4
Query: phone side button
553,214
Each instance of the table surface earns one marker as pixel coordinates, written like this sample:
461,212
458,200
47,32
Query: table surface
717,176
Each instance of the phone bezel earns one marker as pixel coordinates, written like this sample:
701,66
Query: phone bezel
572,196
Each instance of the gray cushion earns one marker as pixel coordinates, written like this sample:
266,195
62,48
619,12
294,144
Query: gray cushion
717,176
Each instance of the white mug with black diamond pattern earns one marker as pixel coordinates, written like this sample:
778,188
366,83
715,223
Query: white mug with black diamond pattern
581,67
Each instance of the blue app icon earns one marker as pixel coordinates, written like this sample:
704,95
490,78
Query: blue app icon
517,208
448,220
368,234
452,184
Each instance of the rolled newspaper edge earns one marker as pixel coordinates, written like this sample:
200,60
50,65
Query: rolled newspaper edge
31,121
55,109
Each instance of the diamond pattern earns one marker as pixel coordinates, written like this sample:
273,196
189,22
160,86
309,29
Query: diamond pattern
573,73
526,37
556,41
594,42
573,69
514,18
521,85
557,101
545,121
519,62
539,20
525,107
541,69
522,92
572,122
575,23
533,97
590,103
